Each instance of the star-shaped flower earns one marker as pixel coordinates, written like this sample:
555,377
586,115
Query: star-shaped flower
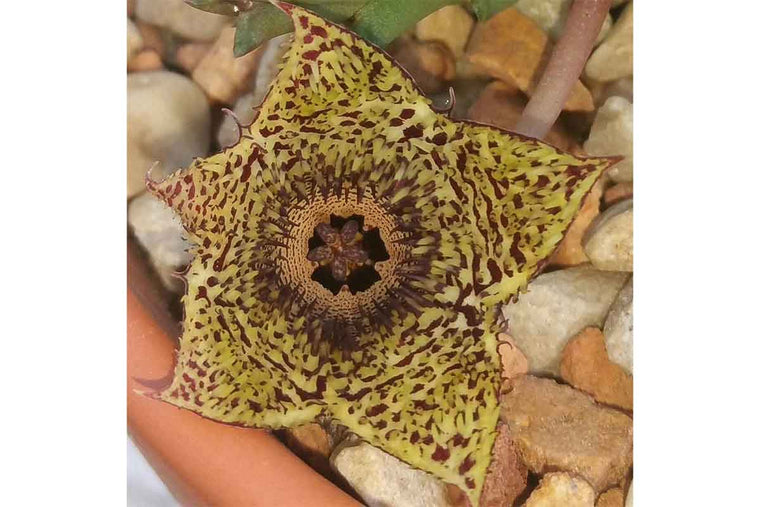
347,169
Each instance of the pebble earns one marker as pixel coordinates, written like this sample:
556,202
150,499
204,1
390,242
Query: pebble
450,25
507,476
551,16
312,444
608,242
512,48
146,60
161,234
586,366
613,59
501,104
561,489
570,250
612,134
153,37
168,121
431,64
223,76
557,428
618,328
383,480
181,18
272,53
513,361
134,40
611,498
617,193
622,87
189,55
556,307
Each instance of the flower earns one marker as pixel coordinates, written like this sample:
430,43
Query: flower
350,254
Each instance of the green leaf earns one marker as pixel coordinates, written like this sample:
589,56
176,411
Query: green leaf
484,9
258,25
334,10
381,21
213,6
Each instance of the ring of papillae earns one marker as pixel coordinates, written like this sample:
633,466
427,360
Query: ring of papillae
296,270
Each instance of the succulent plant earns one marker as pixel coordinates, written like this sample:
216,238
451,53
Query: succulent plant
351,252
379,21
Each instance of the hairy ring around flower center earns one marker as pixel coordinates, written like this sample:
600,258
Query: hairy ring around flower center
339,318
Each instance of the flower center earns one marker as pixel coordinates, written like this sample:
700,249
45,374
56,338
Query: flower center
344,254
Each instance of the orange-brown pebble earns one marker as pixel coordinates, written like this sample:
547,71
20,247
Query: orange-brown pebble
618,193
611,498
570,251
223,76
513,361
152,37
586,366
145,60
511,47
189,55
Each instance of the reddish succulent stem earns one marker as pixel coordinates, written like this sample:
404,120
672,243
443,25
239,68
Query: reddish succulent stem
565,66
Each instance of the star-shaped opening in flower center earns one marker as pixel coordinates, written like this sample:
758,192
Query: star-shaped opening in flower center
344,254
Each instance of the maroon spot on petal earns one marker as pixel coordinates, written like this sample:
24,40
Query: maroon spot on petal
440,454
177,189
466,465
244,338
407,113
266,132
377,410
361,393
439,139
311,55
493,268
412,132
287,8
246,173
